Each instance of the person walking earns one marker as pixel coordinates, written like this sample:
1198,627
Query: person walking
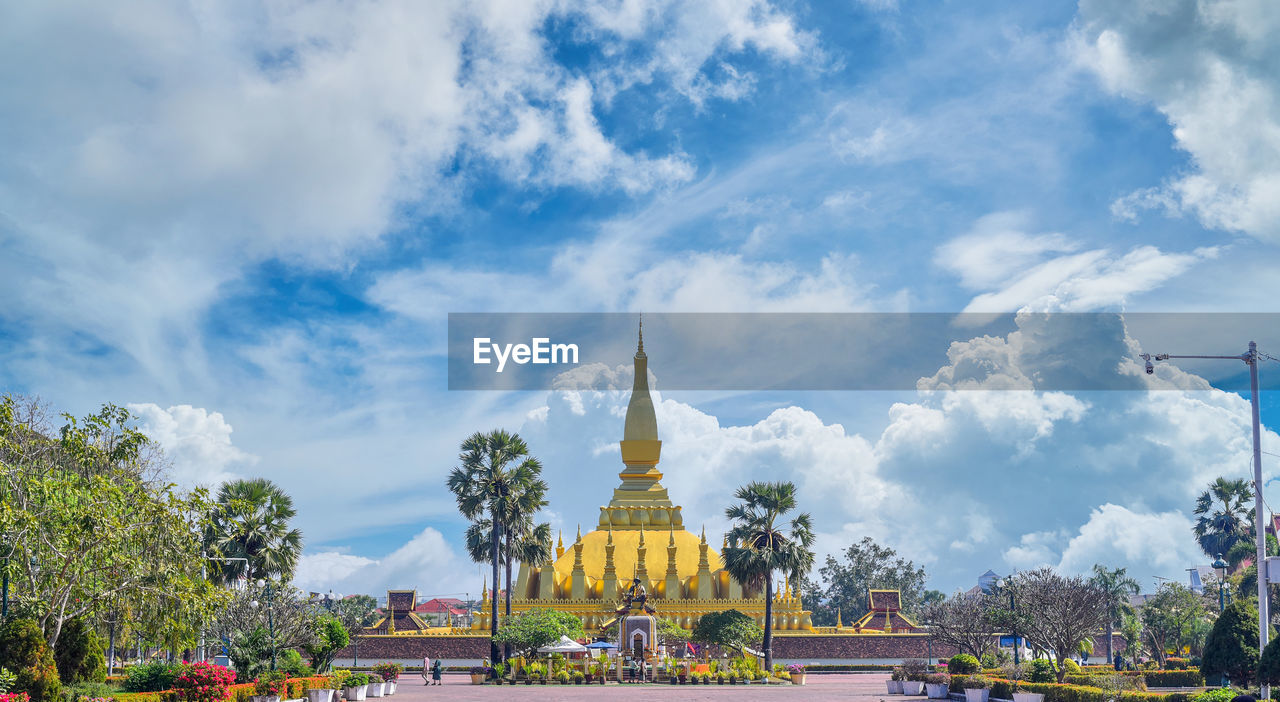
437,669
426,669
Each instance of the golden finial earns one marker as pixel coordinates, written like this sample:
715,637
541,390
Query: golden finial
579,537
484,590
640,346
838,623
560,539
610,539
642,537
671,540
704,535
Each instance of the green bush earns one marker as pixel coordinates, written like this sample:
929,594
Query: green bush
1269,665
1040,670
1217,694
1173,678
150,677
1232,645
87,691
24,651
1072,667
1127,682
1175,663
79,654
963,664
290,661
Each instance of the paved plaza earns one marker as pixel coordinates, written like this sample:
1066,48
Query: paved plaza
836,686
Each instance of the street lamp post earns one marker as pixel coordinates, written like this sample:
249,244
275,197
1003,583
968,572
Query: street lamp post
1005,584
204,575
1220,566
1250,359
271,626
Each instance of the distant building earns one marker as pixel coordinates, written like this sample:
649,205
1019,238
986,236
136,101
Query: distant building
444,611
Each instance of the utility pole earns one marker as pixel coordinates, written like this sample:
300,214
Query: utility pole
1250,359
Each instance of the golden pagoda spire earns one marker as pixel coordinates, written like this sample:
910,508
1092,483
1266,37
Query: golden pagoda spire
641,450
484,591
559,543
642,568
838,624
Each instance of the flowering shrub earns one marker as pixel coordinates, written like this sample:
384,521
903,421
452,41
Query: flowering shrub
271,684
15,697
390,672
203,682
795,668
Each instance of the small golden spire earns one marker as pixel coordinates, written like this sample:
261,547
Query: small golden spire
642,538
579,537
671,540
640,346
838,624
610,539
484,590
704,535
560,539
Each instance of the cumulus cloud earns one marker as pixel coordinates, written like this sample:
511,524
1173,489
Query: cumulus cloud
427,562
1210,69
196,441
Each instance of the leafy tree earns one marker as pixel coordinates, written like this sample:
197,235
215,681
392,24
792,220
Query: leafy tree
1131,631
727,629
759,544
1056,612
866,566
356,612
79,654
1224,516
671,633
252,522
1232,646
249,651
535,628
24,651
966,621
523,542
487,484
1269,665
248,621
87,524
1116,587
1168,618
331,637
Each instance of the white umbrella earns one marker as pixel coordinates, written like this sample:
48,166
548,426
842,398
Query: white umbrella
564,645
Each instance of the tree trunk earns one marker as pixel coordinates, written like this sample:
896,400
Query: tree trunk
494,653
1111,658
768,622
506,651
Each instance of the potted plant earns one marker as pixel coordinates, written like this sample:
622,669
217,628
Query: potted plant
795,671
355,686
478,674
322,692
1022,696
913,672
977,688
720,677
894,682
375,685
390,673
578,677
937,686
270,687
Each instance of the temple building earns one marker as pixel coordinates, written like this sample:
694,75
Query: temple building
641,534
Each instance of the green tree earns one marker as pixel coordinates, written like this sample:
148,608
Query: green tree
535,628
251,521
1131,631
760,544
865,566
495,472
670,633
1269,665
1057,612
727,629
1116,587
79,654
331,637
1168,618
24,651
1232,646
87,522
356,612
1224,516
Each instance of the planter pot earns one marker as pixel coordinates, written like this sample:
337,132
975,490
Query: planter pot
319,695
477,678
266,698
976,695
389,688
797,678
1028,697
354,693
375,689
937,691
895,686
912,687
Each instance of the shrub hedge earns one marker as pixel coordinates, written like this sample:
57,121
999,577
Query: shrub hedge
240,692
1189,677
1053,692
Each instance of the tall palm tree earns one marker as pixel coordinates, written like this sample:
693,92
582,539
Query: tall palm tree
759,544
523,542
1224,516
1115,586
495,473
251,521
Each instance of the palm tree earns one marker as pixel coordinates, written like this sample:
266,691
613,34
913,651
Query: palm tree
1115,586
759,544
251,521
488,484
1224,516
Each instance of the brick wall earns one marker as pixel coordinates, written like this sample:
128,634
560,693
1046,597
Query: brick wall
415,647
883,646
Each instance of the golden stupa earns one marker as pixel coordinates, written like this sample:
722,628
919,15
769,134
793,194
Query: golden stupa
641,534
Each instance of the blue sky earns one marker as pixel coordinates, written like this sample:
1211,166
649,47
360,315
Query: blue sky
250,222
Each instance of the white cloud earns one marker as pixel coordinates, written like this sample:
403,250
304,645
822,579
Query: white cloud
196,441
1209,68
426,562
1148,542
1048,272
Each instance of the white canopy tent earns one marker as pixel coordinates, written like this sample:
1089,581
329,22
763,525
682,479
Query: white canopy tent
564,645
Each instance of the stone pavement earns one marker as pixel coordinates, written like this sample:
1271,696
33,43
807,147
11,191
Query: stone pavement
869,687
